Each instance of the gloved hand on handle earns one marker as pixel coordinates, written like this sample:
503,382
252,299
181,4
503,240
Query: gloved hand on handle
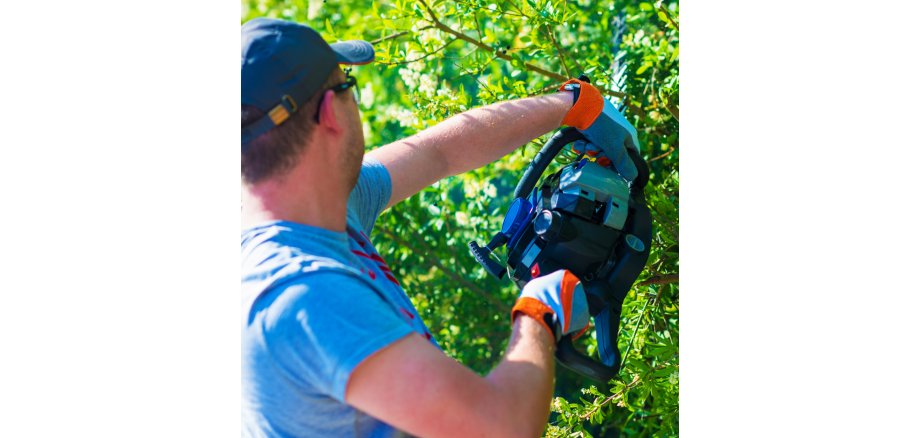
557,301
604,126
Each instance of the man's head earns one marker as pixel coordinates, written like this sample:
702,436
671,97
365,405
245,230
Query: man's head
294,93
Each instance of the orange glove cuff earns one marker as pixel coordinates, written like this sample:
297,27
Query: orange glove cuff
589,105
535,309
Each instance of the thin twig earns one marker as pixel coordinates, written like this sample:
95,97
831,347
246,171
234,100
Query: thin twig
619,394
660,279
671,149
389,37
674,111
409,61
476,77
545,89
667,14
635,330
562,51
552,38
478,27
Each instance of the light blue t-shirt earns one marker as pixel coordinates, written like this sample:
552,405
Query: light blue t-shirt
315,304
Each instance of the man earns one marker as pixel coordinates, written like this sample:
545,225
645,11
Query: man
331,344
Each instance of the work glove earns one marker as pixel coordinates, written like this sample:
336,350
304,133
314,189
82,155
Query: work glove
603,126
557,301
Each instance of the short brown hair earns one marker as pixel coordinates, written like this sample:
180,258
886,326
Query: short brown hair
276,151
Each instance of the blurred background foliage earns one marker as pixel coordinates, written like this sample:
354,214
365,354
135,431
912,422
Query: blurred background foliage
439,58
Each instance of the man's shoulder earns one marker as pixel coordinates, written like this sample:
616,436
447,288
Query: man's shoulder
283,243
314,285
303,269
282,255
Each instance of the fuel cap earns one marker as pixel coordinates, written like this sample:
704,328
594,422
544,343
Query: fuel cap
516,216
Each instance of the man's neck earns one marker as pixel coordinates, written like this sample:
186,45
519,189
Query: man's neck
297,197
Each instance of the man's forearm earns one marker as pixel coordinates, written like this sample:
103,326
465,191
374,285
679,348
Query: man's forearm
468,141
525,377
482,135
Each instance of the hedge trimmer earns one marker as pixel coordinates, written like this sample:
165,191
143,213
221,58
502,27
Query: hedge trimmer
585,218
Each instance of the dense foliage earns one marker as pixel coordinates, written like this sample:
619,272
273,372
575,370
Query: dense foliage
439,58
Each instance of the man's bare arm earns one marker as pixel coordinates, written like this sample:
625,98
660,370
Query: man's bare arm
416,388
468,141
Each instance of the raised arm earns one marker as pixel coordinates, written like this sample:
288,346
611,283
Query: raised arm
468,141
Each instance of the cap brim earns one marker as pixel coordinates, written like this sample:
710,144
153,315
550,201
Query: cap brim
354,52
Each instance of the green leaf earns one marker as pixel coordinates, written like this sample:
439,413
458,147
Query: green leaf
643,68
664,18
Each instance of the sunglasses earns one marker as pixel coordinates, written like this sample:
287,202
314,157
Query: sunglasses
350,82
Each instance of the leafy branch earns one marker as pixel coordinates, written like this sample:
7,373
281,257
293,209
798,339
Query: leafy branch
562,53
469,285
616,396
619,394
664,11
527,66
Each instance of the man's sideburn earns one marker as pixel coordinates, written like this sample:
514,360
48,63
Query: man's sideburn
354,154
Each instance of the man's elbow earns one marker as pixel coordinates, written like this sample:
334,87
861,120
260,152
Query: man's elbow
518,429
510,417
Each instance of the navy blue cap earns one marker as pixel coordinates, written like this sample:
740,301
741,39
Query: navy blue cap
284,64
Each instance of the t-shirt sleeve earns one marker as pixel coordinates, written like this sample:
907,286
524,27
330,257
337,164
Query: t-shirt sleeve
321,327
371,193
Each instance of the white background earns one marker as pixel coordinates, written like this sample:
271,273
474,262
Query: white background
120,218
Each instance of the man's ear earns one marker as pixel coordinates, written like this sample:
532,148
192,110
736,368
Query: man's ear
327,116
